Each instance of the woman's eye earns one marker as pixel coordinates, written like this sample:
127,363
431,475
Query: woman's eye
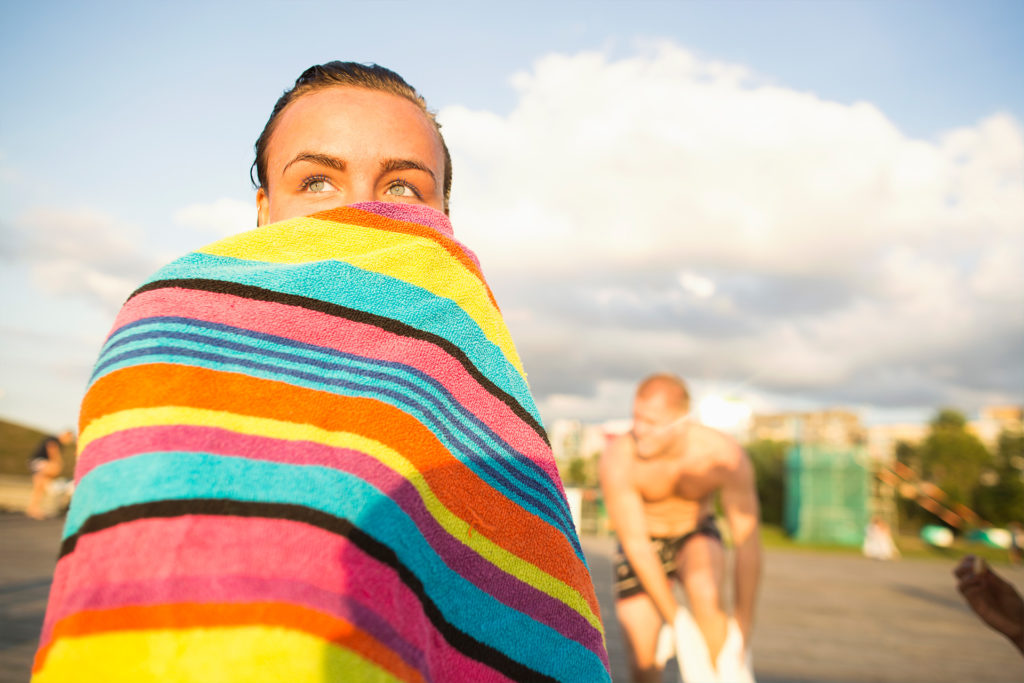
316,184
401,190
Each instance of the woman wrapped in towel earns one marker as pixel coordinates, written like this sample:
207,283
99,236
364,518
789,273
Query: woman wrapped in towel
308,452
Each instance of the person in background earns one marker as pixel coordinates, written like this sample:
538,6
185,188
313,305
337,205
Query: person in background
992,598
878,543
46,463
659,482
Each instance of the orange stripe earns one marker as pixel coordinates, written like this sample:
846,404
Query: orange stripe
213,615
347,214
456,486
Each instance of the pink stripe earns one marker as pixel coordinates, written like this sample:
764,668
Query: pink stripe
214,554
201,439
497,581
311,327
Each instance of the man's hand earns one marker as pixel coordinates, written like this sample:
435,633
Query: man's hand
993,599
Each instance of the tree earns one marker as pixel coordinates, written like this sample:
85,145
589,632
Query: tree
952,458
911,515
1011,448
769,459
907,454
1003,501
580,472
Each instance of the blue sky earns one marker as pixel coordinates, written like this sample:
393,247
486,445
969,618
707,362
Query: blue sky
120,116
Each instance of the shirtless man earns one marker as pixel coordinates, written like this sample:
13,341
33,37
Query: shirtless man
659,482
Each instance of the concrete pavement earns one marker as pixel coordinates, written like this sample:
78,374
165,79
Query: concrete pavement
829,618
847,619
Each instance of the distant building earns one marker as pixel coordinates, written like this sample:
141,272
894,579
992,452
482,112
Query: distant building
571,439
565,439
994,420
836,427
832,427
884,439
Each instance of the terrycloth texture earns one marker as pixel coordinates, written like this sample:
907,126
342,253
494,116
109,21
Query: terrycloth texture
308,453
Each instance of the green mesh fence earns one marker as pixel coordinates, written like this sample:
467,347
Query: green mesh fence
827,491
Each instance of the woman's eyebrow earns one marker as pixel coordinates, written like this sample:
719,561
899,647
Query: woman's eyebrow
317,158
389,165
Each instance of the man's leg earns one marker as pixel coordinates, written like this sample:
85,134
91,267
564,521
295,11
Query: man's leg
701,568
640,623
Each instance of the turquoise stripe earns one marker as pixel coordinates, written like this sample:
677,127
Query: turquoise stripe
257,352
343,367
182,476
541,498
343,284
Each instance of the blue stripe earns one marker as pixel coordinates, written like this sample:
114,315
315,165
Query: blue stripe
432,405
343,284
400,400
300,355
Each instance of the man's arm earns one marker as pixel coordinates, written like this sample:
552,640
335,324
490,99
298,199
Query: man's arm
626,511
739,502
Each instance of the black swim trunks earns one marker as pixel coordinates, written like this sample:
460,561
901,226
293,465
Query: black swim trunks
626,582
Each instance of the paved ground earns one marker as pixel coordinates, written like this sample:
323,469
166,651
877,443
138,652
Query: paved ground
823,618
846,619
28,552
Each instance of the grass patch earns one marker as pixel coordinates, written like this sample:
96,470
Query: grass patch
911,547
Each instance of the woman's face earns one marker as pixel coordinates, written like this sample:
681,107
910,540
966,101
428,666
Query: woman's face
342,145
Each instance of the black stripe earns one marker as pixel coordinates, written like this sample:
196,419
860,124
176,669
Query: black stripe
339,311
340,526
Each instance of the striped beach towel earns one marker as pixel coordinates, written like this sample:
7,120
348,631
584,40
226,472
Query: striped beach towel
308,452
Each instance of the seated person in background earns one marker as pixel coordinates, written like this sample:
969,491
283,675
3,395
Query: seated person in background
992,598
46,463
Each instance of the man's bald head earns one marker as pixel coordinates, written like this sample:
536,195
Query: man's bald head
669,387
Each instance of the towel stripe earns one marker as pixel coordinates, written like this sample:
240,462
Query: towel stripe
335,525
377,421
337,310
345,374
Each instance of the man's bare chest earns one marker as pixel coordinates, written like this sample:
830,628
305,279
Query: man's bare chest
681,478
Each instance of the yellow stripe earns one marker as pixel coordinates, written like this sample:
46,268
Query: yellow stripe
288,431
245,654
420,261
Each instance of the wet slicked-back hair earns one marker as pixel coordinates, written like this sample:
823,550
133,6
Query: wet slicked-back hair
353,74
671,386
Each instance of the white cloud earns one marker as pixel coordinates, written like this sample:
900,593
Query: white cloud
81,252
225,216
664,211
697,285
